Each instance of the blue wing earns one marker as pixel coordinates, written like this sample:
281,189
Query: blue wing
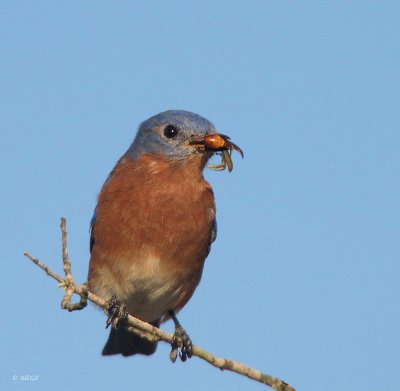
92,222
213,235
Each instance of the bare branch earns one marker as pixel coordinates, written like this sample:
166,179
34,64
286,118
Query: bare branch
69,283
145,329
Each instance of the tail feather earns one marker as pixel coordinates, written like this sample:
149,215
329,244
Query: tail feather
122,341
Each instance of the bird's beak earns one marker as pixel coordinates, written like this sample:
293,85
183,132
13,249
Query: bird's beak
214,143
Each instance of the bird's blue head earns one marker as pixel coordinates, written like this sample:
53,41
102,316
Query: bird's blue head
171,133
179,134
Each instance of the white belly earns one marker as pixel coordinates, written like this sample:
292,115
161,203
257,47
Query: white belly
149,289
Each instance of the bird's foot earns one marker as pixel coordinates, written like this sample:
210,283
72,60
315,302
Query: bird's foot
116,312
181,341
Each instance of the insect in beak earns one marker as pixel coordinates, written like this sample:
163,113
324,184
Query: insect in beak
222,145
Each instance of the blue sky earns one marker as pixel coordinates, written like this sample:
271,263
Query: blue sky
303,280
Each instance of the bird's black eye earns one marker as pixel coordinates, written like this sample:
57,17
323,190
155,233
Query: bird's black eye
170,131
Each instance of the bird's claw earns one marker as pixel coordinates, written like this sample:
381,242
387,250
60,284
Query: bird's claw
181,341
116,312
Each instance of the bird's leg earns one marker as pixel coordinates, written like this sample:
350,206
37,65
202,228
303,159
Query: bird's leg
116,312
181,340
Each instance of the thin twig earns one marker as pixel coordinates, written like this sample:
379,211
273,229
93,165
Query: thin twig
146,329
68,282
65,257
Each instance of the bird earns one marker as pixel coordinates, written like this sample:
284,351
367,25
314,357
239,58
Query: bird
153,226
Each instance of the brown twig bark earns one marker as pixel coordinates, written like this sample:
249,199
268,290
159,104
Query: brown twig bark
68,283
144,328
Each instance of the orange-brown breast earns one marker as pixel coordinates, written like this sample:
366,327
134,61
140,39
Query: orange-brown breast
152,232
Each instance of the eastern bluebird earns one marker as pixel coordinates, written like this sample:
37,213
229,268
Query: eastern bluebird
154,223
